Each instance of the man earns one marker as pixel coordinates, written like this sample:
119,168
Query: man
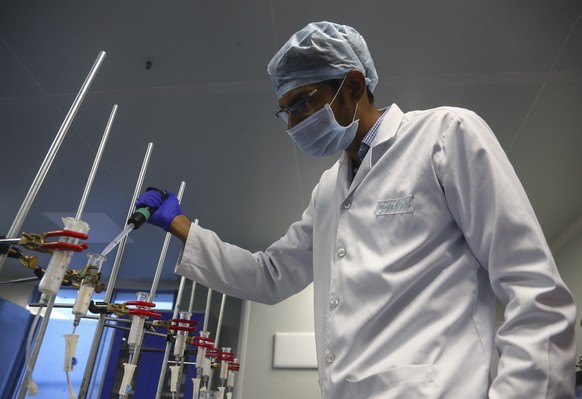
408,238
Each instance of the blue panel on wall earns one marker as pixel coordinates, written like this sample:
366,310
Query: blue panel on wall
14,324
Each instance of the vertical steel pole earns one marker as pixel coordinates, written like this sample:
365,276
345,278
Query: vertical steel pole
220,317
50,300
51,154
169,344
156,280
36,349
191,305
96,163
207,310
164,251
175,315
111,284
217,334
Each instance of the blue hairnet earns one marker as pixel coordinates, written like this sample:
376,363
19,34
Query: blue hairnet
321,51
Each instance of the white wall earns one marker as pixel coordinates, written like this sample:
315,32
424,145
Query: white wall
260,380
569,261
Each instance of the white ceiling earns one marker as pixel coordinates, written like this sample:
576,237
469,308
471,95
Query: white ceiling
207,105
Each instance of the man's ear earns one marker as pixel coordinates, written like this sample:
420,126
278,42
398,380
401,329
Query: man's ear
356,82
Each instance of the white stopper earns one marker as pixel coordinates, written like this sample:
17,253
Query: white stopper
31,386
72,394
128,370
70,350
221,391
175,373
195,388
229,395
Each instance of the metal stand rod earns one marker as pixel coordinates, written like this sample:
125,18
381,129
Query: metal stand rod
155,282
51,154
169,344
207,310
205,325
129,328
96,163
164,251
9,241
122,244
220,317
34,354
217,335
192,292
50,299
175,315
110,286
19,280
175,362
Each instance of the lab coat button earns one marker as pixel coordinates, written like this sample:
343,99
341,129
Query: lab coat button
347,205
329,357
341,252
334,302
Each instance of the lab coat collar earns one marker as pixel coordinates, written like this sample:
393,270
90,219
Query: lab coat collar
386,132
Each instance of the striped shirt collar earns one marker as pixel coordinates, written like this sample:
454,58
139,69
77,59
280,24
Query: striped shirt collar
370,136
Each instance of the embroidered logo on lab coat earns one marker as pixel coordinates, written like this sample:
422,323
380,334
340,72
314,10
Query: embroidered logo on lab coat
394,206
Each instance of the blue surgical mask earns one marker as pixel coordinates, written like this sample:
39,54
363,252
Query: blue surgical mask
320,135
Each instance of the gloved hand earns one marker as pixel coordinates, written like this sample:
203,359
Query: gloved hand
166,210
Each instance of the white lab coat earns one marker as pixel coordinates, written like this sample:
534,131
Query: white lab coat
406,261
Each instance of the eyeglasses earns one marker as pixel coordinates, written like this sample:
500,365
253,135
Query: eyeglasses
300,107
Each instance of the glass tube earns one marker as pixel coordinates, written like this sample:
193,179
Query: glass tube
60,260
137,322
88,284
181,335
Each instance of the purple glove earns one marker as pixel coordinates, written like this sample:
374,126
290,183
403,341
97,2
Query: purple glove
166,210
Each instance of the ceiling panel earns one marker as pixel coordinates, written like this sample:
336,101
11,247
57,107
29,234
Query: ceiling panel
570,58
443,36
20,83
490,101
187,42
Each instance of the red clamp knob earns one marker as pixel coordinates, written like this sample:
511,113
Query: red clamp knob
142,309
212,352
234,366
203,342
176,327
67,233
140,303
146,313
65,246
225,356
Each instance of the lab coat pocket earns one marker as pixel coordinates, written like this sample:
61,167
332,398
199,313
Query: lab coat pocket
407,382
